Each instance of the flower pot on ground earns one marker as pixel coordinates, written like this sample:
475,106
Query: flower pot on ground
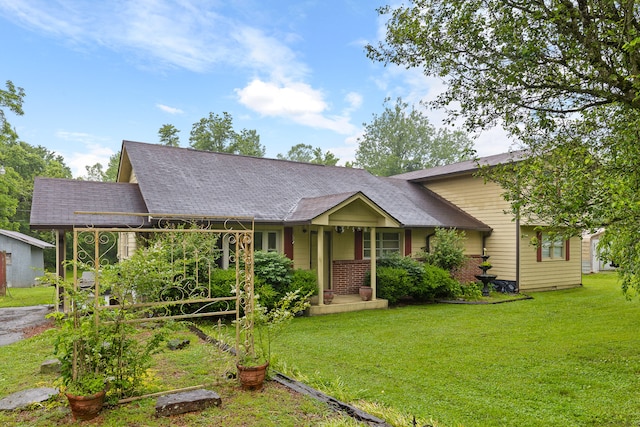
86,407
366,293
328,295
252,377
259,327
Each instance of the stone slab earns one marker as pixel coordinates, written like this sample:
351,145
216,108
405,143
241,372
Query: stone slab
50,366
187,401
24,398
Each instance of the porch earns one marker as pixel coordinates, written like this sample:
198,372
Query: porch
345,303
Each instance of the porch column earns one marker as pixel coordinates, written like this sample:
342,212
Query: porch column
320,265
372,239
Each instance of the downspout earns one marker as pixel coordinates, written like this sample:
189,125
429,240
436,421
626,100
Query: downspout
427,249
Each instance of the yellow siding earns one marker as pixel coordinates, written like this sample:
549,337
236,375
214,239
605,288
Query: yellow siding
343,245
548,274
472,241
484,202
301,247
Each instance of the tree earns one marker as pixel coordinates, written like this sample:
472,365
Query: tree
216,133
169,135
401,140
562,77
111,174
307,154
11,98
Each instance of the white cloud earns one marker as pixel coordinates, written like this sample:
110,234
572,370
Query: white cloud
92,153
298,102
170,110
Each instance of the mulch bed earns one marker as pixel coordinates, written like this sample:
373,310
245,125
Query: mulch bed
38,329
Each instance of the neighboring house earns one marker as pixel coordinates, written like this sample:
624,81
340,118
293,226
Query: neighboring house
24,257
330,219
591,261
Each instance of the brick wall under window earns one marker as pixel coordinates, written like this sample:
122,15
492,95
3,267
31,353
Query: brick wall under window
348,275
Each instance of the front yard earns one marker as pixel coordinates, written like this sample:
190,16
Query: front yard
566,358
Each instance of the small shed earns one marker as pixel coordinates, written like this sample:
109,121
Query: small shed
24,257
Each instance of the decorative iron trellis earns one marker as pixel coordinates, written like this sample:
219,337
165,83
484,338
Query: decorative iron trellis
181,255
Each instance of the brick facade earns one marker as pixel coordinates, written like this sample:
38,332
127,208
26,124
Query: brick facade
468,271
348,275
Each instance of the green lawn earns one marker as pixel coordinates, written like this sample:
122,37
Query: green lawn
564,358
198,364
22,297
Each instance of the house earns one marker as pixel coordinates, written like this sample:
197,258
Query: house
555,264
330,219
23,259
591,260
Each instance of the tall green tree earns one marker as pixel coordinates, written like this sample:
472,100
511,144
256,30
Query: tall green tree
563,78
216,133
12,98
401,139
169,135
307,154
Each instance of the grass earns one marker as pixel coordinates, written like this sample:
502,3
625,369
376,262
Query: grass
22,297
565,358
198,364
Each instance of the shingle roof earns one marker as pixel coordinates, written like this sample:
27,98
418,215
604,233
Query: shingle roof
26,239
176,180
462,167
56,201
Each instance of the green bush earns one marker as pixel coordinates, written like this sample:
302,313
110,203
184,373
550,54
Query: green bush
274,268
437,283
471,291
410,265
305,280
393,283
447,251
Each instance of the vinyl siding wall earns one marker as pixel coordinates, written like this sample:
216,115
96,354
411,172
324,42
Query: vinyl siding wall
484,202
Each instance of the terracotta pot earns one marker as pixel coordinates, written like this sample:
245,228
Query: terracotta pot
328,296
86,407
366,292
252,377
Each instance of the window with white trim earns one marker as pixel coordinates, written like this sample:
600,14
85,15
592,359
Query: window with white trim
387,243
267,241
553,247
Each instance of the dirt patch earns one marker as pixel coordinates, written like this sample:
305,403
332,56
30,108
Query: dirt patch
38,329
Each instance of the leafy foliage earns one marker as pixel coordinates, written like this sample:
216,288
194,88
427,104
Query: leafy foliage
562,78
402,140
307,154
275,277
216,133
399,277
168,135
447,249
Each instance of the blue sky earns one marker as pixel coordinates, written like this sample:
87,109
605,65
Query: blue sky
98,72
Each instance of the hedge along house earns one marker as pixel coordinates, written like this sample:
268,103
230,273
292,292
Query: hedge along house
333,220
555,264
22,259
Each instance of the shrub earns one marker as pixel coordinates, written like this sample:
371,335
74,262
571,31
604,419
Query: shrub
411,266
274,268
447,250
393,283
437,284
471,291
305,280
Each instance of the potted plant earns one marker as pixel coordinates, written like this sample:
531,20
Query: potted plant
259,327
80,347
92,351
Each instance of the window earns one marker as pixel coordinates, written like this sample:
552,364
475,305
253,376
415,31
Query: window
386,244
552,247
266,241
8,258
